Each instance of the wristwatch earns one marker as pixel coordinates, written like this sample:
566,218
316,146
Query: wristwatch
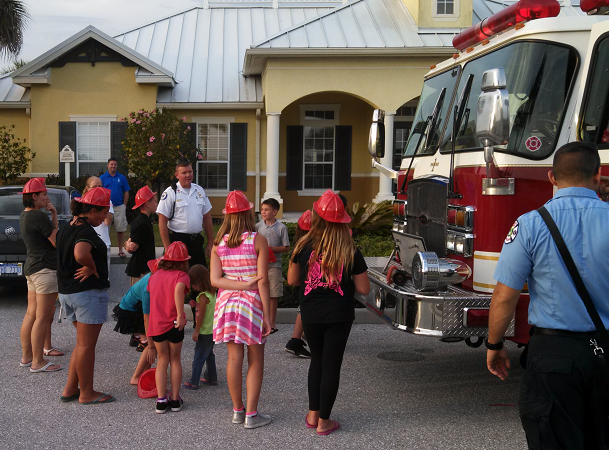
497,346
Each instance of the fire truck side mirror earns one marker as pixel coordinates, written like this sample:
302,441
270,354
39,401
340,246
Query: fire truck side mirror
492,122
376,141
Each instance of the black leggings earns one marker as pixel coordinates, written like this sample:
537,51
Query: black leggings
327,342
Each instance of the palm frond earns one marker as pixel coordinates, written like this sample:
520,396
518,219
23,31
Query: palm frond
14,18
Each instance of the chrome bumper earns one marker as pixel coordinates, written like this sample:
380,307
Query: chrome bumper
437,314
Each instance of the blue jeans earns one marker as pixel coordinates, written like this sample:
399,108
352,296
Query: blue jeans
204,354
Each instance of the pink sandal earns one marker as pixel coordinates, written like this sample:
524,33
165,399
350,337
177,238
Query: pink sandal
308,424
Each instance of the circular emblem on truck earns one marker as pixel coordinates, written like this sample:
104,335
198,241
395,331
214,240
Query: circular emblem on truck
533,144
9,231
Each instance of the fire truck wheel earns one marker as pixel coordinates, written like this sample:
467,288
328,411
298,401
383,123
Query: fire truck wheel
474,344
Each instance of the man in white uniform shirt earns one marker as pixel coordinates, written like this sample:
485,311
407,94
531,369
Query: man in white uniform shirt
183,213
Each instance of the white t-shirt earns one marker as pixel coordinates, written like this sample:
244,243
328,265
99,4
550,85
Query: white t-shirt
102,229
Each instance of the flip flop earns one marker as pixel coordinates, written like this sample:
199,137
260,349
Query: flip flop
28,364
274,330
209,383
71,398
331,430
46,368
308,424
49,351
190,386
98,402
122,255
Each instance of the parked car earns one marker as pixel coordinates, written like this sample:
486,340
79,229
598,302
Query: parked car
12,247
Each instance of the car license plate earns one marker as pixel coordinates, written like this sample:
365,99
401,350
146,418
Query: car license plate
11,269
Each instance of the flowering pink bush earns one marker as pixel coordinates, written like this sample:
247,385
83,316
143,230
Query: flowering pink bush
153,142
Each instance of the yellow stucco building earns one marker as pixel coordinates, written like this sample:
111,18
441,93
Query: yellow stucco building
281,93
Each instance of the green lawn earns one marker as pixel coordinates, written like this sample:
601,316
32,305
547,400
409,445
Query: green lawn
157,236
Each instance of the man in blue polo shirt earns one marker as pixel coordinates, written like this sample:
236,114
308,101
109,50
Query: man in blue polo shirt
564,397
119,188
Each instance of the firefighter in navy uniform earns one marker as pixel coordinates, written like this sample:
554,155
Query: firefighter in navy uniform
564,392
184,212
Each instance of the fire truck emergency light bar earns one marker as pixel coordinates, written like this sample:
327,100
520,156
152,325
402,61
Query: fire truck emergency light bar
522,11
592,6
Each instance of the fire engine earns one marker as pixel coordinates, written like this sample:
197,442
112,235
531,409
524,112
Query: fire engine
521,84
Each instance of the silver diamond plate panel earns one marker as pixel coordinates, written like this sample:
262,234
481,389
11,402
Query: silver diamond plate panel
452,318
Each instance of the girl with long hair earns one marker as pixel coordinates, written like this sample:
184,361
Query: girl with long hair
239,269
329,270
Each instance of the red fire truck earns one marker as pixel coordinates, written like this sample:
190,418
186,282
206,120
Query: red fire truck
522,83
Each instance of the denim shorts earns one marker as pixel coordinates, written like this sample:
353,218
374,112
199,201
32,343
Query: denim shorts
90,307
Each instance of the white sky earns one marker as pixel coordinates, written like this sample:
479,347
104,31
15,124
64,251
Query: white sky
53,21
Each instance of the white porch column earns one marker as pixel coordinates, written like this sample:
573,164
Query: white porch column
272,157
384,182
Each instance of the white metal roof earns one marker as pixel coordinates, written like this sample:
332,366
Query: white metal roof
13,94
205,49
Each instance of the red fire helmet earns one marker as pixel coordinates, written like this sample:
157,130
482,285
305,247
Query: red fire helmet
33,186
304,221
153,264
331,208
146,385
236,201
142,196
176,251
98,196
272,257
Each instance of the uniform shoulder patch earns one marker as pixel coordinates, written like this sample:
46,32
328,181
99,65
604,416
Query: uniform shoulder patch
513,233
164,196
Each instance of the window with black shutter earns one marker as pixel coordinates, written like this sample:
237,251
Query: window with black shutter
342,158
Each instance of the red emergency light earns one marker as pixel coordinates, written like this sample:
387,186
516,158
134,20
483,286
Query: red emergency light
522,11
592,6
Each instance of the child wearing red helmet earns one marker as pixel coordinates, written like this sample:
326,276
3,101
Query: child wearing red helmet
330,270
239,269
166,322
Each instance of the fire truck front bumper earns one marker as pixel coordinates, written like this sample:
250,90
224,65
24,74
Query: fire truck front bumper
452,315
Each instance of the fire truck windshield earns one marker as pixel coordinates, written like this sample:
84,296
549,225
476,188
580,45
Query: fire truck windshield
595,121
539,77
429,97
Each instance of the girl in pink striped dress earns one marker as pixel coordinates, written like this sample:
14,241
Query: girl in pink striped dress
239,269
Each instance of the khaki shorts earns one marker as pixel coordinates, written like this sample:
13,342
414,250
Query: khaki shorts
120,218
134,280
43,282
275,282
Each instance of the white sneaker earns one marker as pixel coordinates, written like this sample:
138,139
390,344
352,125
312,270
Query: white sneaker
259,420
239,416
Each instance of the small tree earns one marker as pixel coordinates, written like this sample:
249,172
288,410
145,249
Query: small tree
152,144
15,157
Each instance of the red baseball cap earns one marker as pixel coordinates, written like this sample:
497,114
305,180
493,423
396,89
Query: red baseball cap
331,208
236,201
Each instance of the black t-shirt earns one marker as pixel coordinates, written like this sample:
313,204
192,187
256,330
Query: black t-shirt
323,304
67,237
36,227
143,235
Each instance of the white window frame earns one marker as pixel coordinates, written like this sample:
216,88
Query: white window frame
317,123
446,17
92,118
208,121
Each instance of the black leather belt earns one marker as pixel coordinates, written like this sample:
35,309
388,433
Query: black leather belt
190,236
574,334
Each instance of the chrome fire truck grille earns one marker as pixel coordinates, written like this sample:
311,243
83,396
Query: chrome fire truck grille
426,212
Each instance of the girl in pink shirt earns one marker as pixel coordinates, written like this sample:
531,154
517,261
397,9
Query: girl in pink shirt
166,322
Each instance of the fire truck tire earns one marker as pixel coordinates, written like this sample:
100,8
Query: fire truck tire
474,344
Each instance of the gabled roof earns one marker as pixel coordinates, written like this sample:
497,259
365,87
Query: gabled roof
13,95
38,70
205,48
